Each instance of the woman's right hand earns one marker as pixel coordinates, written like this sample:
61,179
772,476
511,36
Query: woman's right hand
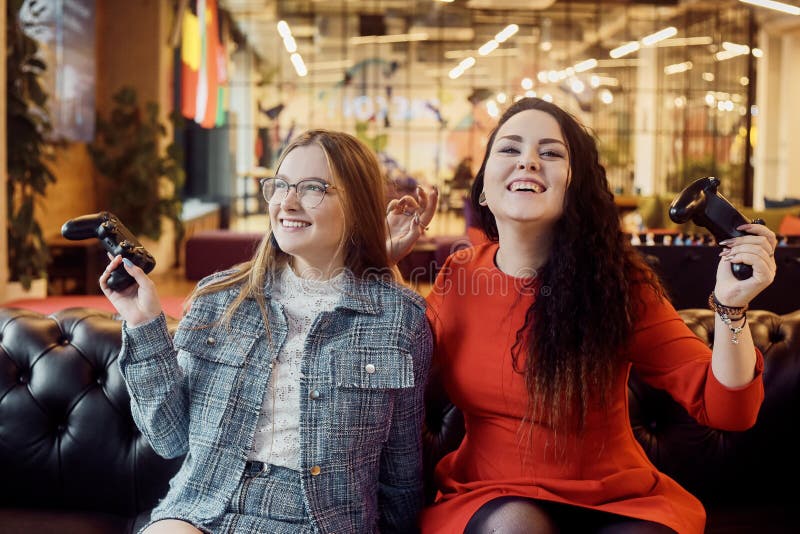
138,303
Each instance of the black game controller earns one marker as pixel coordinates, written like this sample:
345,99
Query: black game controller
701,203
116,239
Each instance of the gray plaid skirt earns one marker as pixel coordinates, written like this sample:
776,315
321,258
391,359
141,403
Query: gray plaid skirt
269,500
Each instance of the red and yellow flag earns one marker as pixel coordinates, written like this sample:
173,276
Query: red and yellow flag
203,65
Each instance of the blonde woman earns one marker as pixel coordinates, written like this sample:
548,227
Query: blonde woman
294,383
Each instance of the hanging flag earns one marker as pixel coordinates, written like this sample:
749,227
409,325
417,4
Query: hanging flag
204,66
190,63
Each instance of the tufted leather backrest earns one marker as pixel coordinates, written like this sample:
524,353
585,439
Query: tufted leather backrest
67,439
758,465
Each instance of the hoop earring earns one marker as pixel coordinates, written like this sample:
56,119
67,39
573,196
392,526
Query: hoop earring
482,198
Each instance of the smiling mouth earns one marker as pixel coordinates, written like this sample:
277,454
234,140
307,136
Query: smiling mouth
294,224
530,187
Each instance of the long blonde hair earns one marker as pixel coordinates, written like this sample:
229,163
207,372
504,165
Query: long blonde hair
357,176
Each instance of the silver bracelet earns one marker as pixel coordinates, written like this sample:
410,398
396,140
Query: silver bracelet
735,330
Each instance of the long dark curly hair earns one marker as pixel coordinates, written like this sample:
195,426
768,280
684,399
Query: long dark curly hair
573,334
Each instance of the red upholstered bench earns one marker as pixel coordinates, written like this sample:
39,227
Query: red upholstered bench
216,250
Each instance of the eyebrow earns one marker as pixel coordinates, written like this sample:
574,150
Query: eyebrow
286,178
545,141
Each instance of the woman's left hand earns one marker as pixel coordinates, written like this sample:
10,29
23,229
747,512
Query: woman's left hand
756,250
408,219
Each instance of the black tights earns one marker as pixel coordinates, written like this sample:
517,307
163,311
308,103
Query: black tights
519,515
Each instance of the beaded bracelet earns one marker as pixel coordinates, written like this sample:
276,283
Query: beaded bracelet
728,314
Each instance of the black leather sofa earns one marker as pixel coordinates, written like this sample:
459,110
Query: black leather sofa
72,460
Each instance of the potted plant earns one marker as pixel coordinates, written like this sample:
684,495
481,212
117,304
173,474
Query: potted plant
28,148
144,180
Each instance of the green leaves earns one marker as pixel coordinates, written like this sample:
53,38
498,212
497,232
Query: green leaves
145,183
28,149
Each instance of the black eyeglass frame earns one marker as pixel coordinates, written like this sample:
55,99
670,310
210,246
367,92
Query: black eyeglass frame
319,181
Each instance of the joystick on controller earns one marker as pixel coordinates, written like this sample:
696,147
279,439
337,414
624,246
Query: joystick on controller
116,239
701,203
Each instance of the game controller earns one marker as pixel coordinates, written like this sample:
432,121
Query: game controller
701,203
116,239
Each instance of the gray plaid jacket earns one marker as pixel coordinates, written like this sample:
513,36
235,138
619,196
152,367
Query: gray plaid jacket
365,369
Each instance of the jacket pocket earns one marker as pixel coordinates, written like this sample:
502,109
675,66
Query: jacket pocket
216,365
217,344
373,368
366,382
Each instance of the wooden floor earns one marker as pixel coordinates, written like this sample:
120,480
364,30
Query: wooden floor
173,283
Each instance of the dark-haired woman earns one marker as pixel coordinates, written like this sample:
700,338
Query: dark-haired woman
535,334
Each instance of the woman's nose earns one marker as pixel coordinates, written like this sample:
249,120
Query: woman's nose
529,164
291,200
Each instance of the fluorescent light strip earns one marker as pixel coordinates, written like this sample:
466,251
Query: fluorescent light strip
677,68
734,47
290,44
625,49
585,65
283,29
653,38
299,66
777,6
488,47
506,32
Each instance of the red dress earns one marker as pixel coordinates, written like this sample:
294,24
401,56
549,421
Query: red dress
475,310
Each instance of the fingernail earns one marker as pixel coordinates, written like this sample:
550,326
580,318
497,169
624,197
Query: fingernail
127,262
726,242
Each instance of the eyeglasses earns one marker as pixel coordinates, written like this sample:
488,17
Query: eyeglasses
310,192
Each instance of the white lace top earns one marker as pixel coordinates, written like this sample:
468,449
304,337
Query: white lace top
277,438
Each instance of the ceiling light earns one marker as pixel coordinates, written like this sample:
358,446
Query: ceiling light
577,86
625,49
740,49
777,6
488,47
606,96
660,35
299,66
585,65
526,83
501,97
290,44
506,32
677,68
726,54
283,29
530,94
757,52
708,76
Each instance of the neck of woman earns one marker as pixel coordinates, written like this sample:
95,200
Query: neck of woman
523,251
